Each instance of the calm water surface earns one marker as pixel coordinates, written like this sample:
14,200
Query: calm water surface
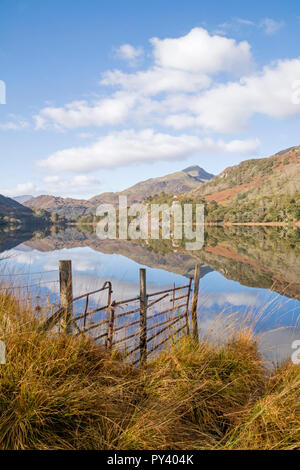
253,272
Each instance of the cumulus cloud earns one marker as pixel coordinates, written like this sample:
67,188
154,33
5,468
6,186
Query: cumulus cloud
185,64
199,51
178,90
228,107
129,53
56,184
156,80
128,147
107,111
180,121
192,83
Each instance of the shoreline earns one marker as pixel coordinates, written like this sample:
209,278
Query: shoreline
220,224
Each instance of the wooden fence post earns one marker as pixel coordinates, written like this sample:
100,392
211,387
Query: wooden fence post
110,326
195,302
143,317
187,307
66,292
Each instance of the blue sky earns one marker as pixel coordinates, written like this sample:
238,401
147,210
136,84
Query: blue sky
94,103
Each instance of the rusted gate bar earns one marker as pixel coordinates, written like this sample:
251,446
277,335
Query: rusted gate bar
66,292
143,317
66,309
195,302
168,290
91,312
166,327
173,335
106,287
168,322
92,327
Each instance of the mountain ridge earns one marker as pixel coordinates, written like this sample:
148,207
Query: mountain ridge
14,213
174,183
264,175
255,190
23,198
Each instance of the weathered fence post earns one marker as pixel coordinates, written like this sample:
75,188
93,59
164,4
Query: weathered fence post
143,316
195,302
187,307
66,292
110,325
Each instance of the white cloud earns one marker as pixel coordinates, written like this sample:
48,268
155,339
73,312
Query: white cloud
86,135
189,99
199,51
128,147
177,91
267,25
84,183
185,63
234,298
228,107
181,64
40,121
180,121
245,21
112,111
271,26
57,186
19,190
16,123
129,53
156,80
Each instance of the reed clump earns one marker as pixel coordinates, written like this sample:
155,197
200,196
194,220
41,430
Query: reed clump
63,392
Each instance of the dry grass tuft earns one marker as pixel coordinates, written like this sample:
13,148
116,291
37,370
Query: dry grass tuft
272,421
60,392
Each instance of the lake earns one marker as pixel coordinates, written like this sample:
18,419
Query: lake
251,272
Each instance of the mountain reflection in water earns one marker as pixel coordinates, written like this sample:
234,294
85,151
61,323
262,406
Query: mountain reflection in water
252,271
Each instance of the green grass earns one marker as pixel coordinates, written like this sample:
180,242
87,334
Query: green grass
60,392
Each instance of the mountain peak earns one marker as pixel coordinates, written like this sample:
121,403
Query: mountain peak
198,173
21,199
179,182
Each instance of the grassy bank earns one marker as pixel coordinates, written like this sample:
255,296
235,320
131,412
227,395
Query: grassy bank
59,392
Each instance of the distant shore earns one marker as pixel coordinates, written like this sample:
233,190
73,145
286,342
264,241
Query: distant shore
263,224
220,224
